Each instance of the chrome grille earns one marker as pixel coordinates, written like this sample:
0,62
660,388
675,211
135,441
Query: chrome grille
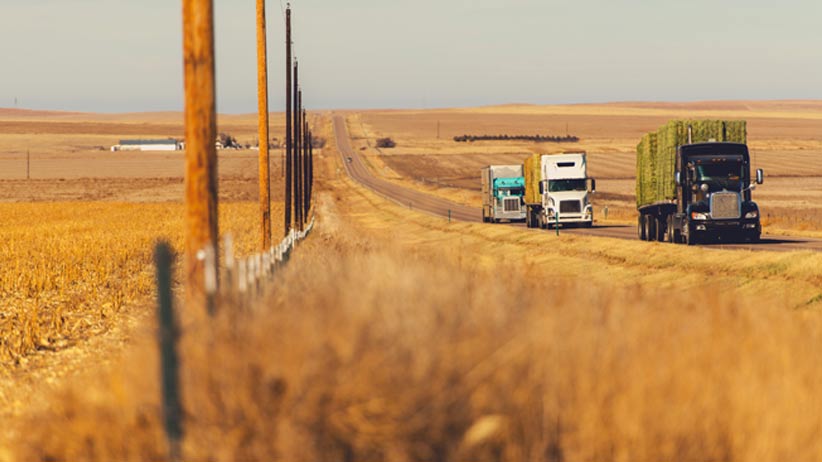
511,204
725,205
570,207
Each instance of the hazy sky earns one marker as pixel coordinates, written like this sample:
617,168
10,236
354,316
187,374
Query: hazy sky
125,55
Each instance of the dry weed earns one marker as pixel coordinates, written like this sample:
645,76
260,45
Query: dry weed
364,352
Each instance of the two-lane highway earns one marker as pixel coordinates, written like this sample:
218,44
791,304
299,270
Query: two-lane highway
356,169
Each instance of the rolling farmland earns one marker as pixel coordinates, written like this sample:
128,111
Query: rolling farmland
394,334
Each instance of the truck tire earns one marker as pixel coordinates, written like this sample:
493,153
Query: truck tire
531,218
640,227
661,228
690,239
650,228
674,235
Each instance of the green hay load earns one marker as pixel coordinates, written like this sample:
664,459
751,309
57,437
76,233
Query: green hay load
531,170
656,154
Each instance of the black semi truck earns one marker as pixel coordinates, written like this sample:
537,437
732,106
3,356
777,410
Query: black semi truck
694,184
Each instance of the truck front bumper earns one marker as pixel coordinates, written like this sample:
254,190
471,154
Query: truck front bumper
726,228
587,216
500,215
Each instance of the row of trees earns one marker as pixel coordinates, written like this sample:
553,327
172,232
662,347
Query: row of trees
230,142
534,138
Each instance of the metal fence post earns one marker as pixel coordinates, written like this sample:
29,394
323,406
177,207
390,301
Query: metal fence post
172,409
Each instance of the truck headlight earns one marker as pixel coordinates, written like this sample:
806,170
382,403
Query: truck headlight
699,216
752,214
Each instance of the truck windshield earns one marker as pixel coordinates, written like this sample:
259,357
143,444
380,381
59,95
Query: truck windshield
567,185
719,176
504,192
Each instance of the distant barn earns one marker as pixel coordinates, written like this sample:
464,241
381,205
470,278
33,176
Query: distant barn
147,145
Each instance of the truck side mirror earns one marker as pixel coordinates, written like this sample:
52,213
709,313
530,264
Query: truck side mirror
542,187
678,179
592,185
760,176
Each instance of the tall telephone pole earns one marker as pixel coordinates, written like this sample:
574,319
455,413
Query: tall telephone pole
288,128
201,153
297,146
306,184
262,100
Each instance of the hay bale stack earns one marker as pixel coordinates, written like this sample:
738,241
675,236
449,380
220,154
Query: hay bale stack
656,154
531,170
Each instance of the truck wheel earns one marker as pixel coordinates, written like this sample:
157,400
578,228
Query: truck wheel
650,228
676,235
690,239
533,218
661,228
640,227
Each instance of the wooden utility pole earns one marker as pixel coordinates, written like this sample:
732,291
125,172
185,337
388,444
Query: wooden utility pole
201,153
288,128
306,185
310,168
262,101
297,143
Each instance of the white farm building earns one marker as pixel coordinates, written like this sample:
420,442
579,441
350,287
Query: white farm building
147,145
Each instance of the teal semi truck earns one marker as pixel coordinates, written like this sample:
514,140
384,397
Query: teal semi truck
503,187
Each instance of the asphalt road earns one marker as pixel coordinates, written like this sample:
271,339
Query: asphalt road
356,169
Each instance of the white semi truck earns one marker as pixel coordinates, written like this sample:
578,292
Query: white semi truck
558,190
502,190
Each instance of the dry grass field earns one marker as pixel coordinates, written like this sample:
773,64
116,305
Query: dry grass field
76,271
418,339
78,278
785,140
70,158
393,335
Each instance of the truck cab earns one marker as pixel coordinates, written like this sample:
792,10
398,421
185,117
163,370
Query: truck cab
713,197
503,187
564,192
714,191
